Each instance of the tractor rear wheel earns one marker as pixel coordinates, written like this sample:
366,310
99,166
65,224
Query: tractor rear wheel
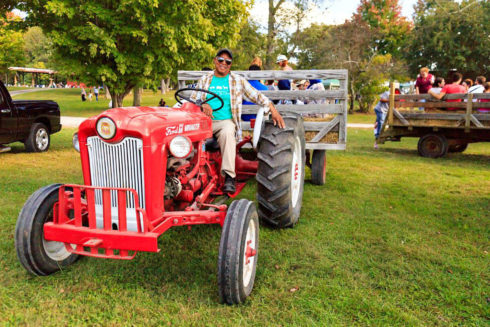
38,255
281,172
433,146
237,259
318,167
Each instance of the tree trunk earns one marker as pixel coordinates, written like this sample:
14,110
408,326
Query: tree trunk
271,33
352,98
162,86
107,93
137,91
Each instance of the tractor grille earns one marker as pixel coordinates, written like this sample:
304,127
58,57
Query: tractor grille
117,165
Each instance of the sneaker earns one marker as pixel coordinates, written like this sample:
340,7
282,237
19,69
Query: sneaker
229,186
375,145
4,148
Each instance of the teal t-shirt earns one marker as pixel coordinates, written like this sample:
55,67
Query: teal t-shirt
220,86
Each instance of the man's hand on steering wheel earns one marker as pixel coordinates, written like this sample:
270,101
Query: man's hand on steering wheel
208,111
276,117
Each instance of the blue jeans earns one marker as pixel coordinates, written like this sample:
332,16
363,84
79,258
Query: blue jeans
380,119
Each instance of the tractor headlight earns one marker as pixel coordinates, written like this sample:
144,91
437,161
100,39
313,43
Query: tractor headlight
106,128
76,143
180,146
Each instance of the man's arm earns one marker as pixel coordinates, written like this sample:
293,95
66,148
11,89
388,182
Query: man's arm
438,96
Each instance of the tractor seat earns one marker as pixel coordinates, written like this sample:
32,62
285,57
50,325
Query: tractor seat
211,144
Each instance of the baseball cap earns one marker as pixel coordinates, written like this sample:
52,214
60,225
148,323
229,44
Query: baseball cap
224,50
281,58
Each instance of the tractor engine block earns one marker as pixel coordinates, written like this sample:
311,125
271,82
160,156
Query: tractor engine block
172,187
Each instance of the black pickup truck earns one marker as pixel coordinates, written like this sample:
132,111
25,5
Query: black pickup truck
30,122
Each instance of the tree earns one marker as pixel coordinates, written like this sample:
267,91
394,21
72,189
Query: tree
450,35
11,44
129,43
252,43
392,29
347,46
277,18
38,48
6,7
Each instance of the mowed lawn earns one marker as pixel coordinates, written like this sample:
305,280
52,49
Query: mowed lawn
392,239
71,103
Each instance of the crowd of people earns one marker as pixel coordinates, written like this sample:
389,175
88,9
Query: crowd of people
93,91
437,87
426,83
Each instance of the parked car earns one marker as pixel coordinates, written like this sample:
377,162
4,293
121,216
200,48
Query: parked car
30,122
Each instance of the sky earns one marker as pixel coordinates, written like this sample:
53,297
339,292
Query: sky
331,12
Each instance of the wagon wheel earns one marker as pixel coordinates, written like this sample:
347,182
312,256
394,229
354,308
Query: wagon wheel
38,255
318,167
456,148
237,260
433,146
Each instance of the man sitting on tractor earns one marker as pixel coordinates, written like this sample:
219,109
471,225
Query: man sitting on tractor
226,121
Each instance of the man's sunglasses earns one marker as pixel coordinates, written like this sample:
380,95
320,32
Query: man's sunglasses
221,59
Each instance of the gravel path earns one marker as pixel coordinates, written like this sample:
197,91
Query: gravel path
14,93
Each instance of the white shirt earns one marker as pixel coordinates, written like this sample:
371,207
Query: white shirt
477,88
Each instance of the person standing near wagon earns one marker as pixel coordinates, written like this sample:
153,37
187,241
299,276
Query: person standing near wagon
232,89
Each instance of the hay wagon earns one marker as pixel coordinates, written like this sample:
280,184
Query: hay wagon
440,130
325,115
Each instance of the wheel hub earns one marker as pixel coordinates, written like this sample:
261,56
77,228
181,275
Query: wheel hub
250,253
42,139
296,168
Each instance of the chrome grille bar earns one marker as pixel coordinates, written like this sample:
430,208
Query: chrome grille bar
117,165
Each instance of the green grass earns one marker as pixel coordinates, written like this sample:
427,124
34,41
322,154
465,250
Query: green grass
359,118
392,239
71,104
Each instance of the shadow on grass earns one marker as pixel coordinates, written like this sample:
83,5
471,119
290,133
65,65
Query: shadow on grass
453,157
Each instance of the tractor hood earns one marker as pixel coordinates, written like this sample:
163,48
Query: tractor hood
154,125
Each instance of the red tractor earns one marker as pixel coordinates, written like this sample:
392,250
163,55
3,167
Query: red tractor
148,169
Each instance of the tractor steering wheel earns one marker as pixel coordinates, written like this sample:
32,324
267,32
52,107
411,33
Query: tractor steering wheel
198,102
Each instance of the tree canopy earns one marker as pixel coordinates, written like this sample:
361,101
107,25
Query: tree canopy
124,44
450,35
11,44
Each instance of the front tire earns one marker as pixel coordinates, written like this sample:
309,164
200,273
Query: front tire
37,255
237,259
281,172
38,139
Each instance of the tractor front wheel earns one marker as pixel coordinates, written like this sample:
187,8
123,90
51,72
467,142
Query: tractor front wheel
38,255
237,259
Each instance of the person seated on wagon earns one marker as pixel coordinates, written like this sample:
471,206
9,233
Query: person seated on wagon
487,90
437,87
454,88
232,88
